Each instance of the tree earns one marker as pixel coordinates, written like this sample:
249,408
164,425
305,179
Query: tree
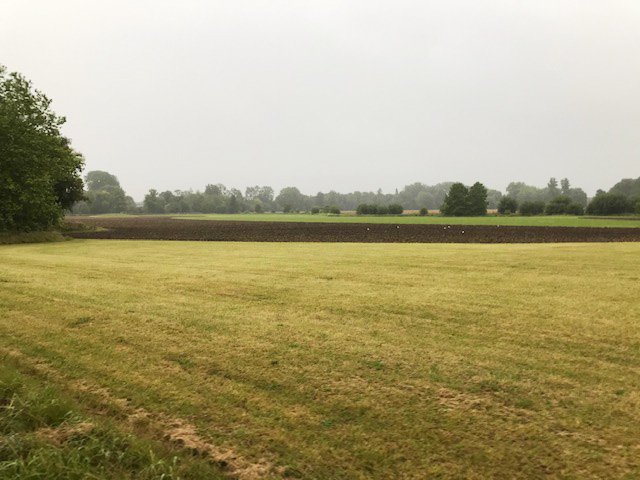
100,180
628,187
565,186
552,188
153,203
522,192
455,202
292,198
104,195
477,200
493,198
532,208
507,205
39,171
610,204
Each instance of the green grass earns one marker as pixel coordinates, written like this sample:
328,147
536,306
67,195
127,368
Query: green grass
546,221
45,434
351,360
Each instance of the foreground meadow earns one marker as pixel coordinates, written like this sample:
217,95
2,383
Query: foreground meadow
343,360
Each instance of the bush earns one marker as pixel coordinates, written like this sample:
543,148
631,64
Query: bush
395,209
372,209
563,206
610,204
574,209
363,209
532,208
315,211
332,209
423,212
557,206
258,208
507,205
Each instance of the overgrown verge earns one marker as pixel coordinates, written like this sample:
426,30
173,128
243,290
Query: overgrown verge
45,434
7,238
55,235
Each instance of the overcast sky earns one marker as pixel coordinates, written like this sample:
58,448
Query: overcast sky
344,95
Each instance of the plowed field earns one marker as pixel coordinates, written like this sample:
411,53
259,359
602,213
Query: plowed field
166,228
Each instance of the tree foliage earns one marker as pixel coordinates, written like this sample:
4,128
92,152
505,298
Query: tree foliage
463,201
532,208
610,204
104,195
507,205
39,171
563,205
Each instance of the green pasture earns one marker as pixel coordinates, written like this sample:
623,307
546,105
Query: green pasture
537,221
342,361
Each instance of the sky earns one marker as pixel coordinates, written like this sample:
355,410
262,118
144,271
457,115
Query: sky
344,95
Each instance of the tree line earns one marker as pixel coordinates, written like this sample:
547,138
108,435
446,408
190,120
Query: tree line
105,195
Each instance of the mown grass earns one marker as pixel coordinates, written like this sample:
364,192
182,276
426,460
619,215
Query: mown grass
45,434
353,361
516,220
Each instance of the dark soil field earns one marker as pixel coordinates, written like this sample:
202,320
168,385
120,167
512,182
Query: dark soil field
167,228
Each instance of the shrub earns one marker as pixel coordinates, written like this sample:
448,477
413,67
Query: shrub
507,205
315,211
382,210
610,204
532,208
574,209
367,209
258,208
558,206
395,209
423,212
332,209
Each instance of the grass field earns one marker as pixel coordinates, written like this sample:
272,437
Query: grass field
539,221
343,360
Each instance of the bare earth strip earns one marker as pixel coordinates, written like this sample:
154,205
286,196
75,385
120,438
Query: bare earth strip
166,228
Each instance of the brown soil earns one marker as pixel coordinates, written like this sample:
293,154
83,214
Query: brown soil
167,228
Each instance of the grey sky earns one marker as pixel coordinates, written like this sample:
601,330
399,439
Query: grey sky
345,95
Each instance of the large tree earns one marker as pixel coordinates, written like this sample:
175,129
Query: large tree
455,202
39,171
104,195
477,200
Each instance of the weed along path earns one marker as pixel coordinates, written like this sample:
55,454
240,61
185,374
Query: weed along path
167,228
343,360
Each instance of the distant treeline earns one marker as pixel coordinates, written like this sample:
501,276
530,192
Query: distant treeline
105,195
